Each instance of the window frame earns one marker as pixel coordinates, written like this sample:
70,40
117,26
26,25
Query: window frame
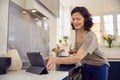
115,31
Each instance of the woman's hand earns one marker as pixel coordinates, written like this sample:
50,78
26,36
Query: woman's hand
72,51
50,62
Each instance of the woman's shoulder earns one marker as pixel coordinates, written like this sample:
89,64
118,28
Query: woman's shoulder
91,37
91,34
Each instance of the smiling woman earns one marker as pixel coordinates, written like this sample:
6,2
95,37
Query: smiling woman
86,49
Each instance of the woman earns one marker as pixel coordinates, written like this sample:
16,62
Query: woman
95,65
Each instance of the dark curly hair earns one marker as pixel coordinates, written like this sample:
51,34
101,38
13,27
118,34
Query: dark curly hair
87,16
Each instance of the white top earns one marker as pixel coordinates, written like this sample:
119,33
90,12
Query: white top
23,75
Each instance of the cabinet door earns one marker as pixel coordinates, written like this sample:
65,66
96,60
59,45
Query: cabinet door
114,71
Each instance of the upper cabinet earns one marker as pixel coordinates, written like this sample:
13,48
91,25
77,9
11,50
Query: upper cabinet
49,8
21,3
51,5
46,7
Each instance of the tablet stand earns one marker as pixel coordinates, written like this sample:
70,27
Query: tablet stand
37,70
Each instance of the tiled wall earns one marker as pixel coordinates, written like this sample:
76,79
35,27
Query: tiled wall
25,35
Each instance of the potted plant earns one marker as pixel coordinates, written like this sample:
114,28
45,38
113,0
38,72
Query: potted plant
65,39
109,39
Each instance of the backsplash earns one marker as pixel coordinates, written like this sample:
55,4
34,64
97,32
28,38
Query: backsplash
25,34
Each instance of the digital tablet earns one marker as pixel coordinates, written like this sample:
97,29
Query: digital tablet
37,62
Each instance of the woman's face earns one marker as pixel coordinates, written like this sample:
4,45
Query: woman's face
77,20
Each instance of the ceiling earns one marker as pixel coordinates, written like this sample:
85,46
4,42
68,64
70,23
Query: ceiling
96,6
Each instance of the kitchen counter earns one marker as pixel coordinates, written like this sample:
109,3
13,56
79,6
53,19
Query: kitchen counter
114,59
23,75
112,53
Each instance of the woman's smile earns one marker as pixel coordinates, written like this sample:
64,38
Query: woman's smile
77,20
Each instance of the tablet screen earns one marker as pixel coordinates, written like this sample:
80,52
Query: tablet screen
37,60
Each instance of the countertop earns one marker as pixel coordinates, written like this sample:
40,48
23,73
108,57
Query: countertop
23,75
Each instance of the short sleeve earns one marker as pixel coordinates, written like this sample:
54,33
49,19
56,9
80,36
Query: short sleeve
90,43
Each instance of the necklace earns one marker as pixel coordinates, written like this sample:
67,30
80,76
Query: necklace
80,36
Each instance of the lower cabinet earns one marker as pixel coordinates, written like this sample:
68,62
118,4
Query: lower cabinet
114,70
63,67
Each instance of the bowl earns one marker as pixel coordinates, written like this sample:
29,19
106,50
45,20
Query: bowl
5,63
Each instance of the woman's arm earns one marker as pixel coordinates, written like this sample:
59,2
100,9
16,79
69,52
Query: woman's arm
66,60
72,59
72,51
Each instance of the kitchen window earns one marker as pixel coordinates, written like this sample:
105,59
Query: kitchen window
107,24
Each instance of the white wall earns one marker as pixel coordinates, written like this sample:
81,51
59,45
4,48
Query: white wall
67,21
103,6
52,35
94,6
4,5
